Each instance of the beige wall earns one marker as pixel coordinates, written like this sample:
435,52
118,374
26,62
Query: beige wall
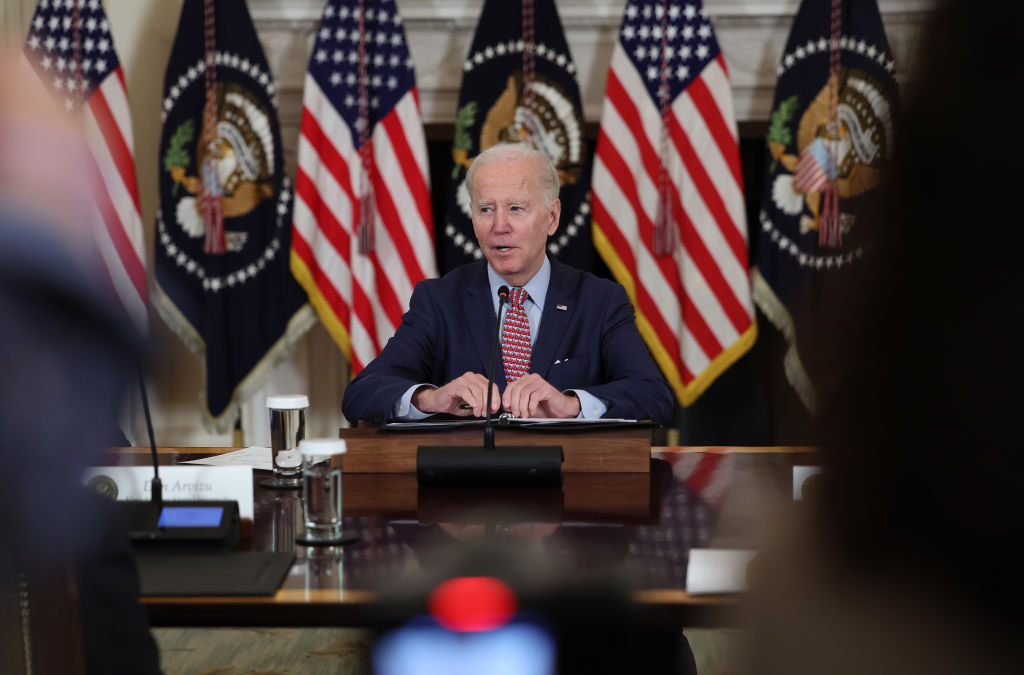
752,34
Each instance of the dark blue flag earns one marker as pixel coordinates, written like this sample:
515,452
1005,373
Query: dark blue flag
823,142
496,107
223,228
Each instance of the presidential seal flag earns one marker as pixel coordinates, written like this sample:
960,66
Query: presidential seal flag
829,139
223,227
70,47
519,85
363,228
669,215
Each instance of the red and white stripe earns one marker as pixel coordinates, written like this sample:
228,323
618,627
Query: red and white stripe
694,308
810,176
117,218
707,475
361,298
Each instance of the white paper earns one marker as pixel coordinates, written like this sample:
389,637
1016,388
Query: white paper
800,475
717,570
254,456
179,483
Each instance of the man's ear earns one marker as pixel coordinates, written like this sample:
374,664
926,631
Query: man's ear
556,211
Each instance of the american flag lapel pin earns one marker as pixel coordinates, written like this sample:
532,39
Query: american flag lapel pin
561,308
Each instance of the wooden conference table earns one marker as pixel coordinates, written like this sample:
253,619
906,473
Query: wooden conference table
637,528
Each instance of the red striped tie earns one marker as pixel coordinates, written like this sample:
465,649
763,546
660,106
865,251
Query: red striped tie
515,337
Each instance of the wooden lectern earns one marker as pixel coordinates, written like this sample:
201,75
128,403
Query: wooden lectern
625,449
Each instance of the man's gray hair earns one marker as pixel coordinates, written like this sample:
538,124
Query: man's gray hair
547,176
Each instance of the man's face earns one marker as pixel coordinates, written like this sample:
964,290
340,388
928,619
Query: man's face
510,219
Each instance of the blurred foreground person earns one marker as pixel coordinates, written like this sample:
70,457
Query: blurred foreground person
66,352
903,563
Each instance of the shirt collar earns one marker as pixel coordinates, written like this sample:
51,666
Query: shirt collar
536,288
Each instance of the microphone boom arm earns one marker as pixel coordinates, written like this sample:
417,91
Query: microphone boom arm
488,426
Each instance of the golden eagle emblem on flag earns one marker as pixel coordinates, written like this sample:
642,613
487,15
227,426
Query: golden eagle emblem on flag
855,159
241,157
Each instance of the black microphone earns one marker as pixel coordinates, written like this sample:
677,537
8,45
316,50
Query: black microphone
156,490
488,427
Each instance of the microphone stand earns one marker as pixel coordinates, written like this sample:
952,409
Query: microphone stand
488,426
156,486
143,518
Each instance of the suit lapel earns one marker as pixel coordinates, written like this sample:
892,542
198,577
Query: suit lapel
553,321
479,312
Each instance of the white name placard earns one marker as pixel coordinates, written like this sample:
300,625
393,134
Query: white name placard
180,483
717,570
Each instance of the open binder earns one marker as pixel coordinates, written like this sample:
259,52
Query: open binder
507,421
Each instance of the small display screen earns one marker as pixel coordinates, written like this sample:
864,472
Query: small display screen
190,516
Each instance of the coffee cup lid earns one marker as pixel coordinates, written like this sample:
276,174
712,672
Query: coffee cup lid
322,446
288,402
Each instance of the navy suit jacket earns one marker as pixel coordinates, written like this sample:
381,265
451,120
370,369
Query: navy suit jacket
588,339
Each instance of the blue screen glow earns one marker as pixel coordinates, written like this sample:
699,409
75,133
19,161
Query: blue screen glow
190,516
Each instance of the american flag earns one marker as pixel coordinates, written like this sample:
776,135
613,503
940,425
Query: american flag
360,291
693,304
70,47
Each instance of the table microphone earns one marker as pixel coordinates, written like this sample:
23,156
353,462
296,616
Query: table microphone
193,525
156,486
488,426
505,465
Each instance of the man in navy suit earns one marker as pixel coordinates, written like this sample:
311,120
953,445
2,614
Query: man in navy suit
587,357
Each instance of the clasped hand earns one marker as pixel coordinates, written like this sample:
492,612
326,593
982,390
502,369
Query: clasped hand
529,396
